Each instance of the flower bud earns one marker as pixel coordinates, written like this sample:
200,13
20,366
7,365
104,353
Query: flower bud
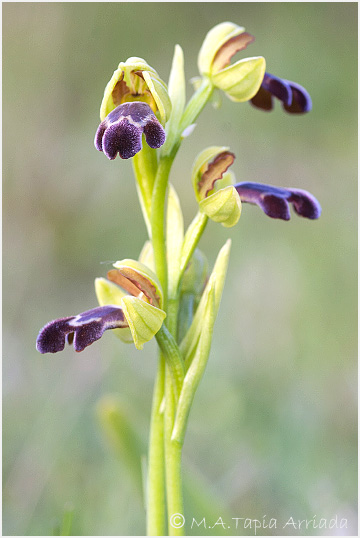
135,80
240,81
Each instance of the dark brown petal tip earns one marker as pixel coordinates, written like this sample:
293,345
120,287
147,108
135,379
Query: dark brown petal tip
295,99
121,131
230,48
81,330
274,201
214,171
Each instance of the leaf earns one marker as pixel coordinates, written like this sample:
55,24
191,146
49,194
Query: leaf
177,96
217,277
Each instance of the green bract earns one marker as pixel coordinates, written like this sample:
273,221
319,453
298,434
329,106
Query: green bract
240,81
135,288
135,80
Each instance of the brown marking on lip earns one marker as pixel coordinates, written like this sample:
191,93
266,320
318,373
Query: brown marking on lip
231,47
135,284
215,171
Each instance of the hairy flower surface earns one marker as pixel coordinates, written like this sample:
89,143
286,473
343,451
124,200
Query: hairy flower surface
274,201
121,131
83,329
295,99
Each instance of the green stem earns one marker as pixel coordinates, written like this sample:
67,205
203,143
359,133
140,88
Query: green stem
144,167
157,222
156,475
172,462
173,358
196,103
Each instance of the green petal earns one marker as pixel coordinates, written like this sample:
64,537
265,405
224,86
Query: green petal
223,206
144,319
242,80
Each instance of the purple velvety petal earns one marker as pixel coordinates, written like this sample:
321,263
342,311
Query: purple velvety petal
99,135
51,338
301,100
277,87
274,201
305,204
82,330
263,100
295,99
154,133
123,138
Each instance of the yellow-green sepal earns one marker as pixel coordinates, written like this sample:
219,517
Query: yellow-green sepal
242,80
109,293
144,319
223,206
158,90
214,40
136,80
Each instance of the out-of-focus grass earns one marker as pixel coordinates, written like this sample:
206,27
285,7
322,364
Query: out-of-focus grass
273,427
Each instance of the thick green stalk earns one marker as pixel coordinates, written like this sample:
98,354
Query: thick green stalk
157,222
196,103
173,449
156,474
144,167
174,361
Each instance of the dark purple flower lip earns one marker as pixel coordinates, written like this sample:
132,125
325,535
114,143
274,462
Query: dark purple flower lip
81,330
295,99
274,201
122,129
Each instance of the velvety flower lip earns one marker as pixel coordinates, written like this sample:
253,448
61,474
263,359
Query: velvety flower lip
81,330
121,130
295,99
274,201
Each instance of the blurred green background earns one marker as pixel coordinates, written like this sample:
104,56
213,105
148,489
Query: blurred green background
273,427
